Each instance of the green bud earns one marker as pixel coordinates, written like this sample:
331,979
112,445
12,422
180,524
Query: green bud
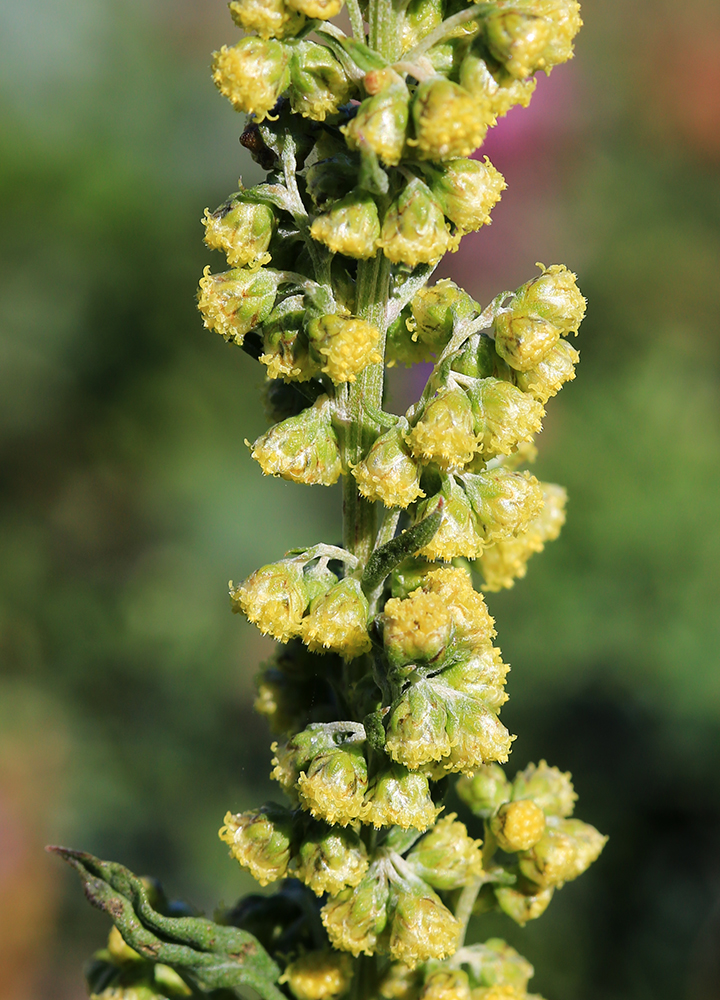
446,857
493,86
478,358
235,302
418,20
319,975
449,122
343,345
522,340
334,784
468,190
416,728
505,503
398,797
401,343
351,227
517,40
296,755
318,83
504,416
567,849
337,622
548,787
408,576
481,675
553,296
458,534
260,840
388,472
356,918
444,431
436,309
286,350
485,791
274,598
267,18
321,10
381,120
242,229
303,449
521,907
330,860
550,374
476,735
446,984
495,963
414,230
252,74
422,926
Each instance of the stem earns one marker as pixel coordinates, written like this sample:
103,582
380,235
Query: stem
364,398
464,908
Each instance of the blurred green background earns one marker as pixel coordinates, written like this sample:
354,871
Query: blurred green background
128,498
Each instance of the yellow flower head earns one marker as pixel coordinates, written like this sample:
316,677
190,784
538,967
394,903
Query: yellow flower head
319,975
550,374
260,841
548,787
444,433
242,229
267,18
414,230
505,503
334,785
468,190
252,74
447,984
388,473
235,302
457,535
566,850
322,10
518,826
446,857
472,622
422,928
343,345
381,120
449,122
351,227
274,598
400,983
504,416
337,621
330,859
520,906
303,449
356,918
398,797
499,91
417,628
318,83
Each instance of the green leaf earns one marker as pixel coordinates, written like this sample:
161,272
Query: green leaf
212,956
384,560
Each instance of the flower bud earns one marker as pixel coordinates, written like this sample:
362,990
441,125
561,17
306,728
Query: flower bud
550,374
504,416
468,190
501,965
330,860
344,345
267,18
567,849
397,797
333,787
548,787
478,358
476,735
235,302
252,74
553,296
402,345
355,918
381,120
521,907
481,675
447,984
449,122
416,729
242,229
286,350
260,841
505,503
506,560
518,41
435,310
322,10
472,624
518,826
351,227
422,927
318,83
274,598
400,983
457,535
418,628
319,975
338,621
414,230
444,432
296,755
303,449
388,473
485,791
446,857
523,340
498,91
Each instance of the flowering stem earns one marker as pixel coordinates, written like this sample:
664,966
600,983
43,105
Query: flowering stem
465,904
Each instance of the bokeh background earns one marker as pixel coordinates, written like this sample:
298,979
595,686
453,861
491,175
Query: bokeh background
128,498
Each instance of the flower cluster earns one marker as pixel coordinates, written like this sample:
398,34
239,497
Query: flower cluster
386,680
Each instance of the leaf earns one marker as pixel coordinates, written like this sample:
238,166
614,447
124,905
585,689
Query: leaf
384,560
212,956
